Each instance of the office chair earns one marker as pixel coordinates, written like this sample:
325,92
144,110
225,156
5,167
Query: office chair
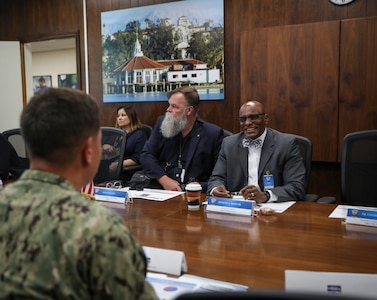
117,139
263,295
147,129
227,132
359,168
15,138
305,147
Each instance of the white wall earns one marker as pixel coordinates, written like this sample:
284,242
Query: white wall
10,85
54,63
28,70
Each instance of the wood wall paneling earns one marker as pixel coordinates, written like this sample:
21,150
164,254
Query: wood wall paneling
293,70
358,77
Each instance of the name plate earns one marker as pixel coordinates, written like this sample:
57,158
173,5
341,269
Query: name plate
110,195
231,206
364,216
165,261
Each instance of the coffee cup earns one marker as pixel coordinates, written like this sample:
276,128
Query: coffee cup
193,191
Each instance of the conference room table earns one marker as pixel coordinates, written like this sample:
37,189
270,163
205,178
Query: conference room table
253,251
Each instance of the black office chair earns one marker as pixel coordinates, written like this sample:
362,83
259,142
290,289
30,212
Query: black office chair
263,295
359,168
147,129
16,139
305,147
117,139
227,132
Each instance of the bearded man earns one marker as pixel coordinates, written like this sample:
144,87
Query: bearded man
182,147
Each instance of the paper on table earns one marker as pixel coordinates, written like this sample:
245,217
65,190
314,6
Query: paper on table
340,211
278,207
212,285
153,194
168,288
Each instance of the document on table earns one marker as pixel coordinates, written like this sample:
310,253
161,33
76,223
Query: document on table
212,285
168,288
278,207
340,211
152,194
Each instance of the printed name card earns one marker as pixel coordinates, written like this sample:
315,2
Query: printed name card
110,195
364,216
165,261
231,206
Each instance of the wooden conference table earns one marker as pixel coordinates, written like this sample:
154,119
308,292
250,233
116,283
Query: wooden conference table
253,251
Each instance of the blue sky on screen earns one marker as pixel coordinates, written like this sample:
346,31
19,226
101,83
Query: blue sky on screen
197,11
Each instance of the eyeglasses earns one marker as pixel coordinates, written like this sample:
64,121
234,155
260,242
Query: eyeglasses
253,117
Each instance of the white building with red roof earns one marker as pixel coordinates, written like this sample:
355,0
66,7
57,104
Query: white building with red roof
143,71
139,69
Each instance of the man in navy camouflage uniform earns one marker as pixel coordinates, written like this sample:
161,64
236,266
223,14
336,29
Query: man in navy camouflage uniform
54,243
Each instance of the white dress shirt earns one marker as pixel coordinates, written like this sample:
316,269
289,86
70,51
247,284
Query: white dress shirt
253,165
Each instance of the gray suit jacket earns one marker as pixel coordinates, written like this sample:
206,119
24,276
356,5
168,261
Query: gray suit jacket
280,156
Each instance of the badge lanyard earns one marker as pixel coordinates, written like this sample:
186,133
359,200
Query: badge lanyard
180,166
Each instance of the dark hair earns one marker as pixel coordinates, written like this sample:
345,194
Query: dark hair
41,79
191,95
56,121
135,122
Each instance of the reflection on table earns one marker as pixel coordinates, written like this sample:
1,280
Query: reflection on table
253,251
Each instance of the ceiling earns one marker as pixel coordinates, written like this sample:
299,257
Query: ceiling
53,45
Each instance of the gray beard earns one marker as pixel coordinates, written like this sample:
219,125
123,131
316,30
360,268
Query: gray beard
171,126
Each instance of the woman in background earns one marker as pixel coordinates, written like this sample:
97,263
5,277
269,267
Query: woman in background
128,121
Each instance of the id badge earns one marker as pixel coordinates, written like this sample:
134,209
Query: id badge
268,182
179,174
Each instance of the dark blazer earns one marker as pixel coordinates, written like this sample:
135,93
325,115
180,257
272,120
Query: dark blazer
201,150
134,144
280,156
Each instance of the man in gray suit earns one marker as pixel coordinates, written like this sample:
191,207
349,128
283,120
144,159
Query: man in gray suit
260,163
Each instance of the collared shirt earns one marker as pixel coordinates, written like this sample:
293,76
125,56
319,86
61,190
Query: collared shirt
253,165
253,161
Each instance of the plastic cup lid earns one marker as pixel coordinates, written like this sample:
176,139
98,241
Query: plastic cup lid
193,187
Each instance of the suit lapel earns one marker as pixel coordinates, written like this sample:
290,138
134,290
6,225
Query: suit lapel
267,150
242,156
195,138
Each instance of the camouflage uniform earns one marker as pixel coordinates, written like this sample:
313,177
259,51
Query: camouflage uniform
55,244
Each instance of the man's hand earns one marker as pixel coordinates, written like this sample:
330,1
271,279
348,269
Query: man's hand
221,192
169,184
251,192
108,148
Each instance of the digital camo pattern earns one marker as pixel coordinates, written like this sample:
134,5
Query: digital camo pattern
55,244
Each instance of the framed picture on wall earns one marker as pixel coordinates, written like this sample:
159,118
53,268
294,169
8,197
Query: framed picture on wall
67,80
41,82
150,50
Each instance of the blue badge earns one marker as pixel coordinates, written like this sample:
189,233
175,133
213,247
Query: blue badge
268,182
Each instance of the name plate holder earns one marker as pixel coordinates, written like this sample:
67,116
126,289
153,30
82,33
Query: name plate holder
231,206
167,261
111,195
362,216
